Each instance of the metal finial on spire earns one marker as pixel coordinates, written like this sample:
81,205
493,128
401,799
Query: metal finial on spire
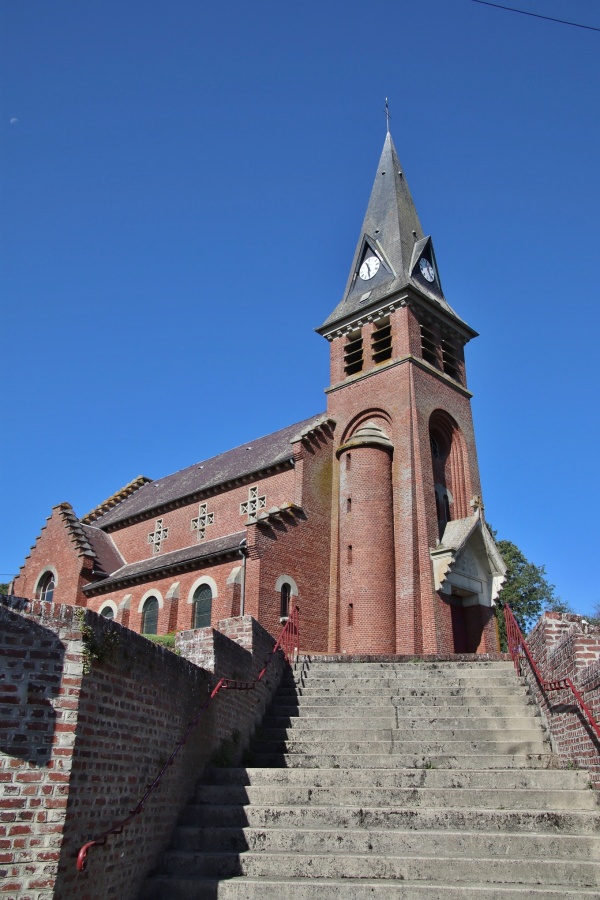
387,115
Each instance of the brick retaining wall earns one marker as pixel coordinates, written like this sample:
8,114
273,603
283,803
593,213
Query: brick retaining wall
566,646
78,748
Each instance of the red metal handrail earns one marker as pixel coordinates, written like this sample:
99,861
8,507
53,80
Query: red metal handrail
518,646
288,643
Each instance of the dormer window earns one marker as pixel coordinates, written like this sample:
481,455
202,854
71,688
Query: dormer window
353,353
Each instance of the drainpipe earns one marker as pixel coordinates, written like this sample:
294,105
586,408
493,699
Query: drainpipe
244,555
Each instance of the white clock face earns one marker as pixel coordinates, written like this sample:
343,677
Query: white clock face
369,268
426,269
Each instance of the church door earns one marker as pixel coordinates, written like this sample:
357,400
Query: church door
459,629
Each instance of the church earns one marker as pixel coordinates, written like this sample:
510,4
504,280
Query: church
367,516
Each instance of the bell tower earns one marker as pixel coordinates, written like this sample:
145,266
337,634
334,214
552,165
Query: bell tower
414,568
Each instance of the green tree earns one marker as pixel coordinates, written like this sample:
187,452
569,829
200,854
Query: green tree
3,588
526,590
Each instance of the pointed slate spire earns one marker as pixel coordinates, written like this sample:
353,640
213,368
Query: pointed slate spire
392,251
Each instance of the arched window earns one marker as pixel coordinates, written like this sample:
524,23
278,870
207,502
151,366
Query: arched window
285,594
150,616
46,587
108,612
202,606
451,472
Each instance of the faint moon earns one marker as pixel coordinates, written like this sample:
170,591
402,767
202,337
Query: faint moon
13,121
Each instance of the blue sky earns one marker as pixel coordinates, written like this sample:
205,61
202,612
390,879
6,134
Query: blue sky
182,191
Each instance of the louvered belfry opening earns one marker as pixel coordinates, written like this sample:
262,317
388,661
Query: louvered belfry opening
381,341
353,353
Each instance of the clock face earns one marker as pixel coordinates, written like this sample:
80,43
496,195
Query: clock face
426,269
369,268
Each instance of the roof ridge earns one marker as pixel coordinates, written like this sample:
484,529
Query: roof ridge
114,499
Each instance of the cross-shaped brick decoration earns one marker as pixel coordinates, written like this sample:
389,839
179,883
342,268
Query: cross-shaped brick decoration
157,536
203,519
251,506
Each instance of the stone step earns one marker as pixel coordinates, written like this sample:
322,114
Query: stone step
424,698
422,708
389,842
346,693
169,888
358,682
417,760
453,818
469,732
410,676
314,666
391,780
400,797
506,779
403,746
412,868
316,724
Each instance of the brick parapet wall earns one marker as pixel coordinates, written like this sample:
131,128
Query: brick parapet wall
40,680
237,648
79,748
566,646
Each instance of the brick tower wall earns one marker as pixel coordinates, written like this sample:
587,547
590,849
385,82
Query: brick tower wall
366,551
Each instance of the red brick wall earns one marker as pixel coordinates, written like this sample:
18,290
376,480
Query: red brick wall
79,749
564,647
299,547
39,687
237,648
406,394
132,540
176,613
367,596
55,549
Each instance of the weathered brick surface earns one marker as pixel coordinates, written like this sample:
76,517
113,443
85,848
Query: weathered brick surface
402,395
565,646
238,648
80,748
55,549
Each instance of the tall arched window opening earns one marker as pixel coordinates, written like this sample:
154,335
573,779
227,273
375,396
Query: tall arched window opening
107,612
286,593
450,467
46,587
202,606
150,616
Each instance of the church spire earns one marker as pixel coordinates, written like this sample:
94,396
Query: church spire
392,251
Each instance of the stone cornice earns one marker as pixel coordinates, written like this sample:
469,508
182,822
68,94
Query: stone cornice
387,305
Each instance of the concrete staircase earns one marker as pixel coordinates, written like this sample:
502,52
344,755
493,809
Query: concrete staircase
389,780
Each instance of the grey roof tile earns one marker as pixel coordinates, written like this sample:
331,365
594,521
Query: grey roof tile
253,456
165,561
108,558
391,229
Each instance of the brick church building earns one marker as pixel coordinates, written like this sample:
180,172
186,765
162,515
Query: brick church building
368,516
